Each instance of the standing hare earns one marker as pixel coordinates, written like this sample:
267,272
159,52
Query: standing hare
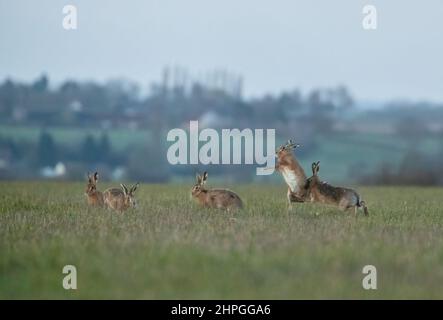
215,198
120,199
94,197
292,172
344,198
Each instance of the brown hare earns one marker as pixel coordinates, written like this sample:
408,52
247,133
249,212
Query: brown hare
120,199
344,198
215,198
94,197
292,172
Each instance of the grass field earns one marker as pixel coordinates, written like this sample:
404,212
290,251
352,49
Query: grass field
170,248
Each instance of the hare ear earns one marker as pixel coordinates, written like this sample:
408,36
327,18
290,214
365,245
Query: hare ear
317,166
314,166
89,176
134,187
205,176
96,176
198,178
125,190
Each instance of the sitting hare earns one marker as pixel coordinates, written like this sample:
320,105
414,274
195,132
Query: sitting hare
344,198
215,198
120,199
94,197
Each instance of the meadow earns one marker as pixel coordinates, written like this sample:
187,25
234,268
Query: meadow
169,248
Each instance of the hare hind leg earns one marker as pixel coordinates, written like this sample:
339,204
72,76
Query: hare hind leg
288,196
346,207
343,205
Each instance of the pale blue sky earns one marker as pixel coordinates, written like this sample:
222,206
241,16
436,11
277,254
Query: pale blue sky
275,45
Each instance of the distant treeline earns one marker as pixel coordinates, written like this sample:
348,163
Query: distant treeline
314,118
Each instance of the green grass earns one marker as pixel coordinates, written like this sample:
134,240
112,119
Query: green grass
120,138
170,248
